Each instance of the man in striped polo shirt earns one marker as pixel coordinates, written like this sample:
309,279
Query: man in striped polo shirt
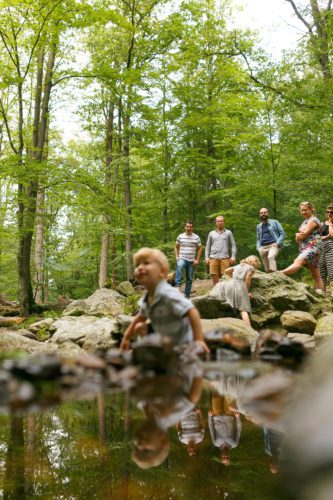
188,252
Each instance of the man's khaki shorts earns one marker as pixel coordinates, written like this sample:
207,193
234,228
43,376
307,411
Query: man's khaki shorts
218,266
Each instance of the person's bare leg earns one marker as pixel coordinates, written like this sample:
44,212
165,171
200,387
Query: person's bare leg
245,317
316,276
215,278
294,267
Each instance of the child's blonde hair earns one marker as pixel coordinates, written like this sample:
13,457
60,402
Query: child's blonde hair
151,458
155,254
252,260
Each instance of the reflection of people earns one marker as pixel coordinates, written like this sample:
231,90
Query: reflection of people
151,444
188,252
310,245
326,258
168,311
236,290
225,425
270,238
191,430
220,251
274,440
181,392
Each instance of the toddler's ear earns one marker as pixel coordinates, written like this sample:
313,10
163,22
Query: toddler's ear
164,271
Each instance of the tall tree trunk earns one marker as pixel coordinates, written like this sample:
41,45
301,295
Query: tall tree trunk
127,193
39,154
39,244
104,260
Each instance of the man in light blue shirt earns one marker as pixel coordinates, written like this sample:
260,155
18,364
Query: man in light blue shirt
270,238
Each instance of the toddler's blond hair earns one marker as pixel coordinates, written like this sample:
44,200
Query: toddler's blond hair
155,254
252,260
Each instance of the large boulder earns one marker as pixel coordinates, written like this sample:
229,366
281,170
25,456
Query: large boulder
272,293
324,328
11,340
78,329
63,348
126,288
104,302
233,326
298,321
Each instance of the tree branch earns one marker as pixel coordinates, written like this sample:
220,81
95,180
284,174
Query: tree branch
4,115
299,15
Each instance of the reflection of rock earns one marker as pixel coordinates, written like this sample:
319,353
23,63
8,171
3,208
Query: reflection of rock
324,328
268,396
102,302
308,341
272,346
309,428
272,294
298,321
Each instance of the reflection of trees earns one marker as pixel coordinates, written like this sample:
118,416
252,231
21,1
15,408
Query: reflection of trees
14,486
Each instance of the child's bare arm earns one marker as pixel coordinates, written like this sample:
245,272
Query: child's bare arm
194,319
130,331
248,279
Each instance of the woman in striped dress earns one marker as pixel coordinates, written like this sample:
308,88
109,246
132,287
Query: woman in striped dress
326,258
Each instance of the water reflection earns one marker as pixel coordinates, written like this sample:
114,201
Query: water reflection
157,439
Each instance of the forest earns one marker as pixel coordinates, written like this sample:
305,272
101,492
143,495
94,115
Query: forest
182,117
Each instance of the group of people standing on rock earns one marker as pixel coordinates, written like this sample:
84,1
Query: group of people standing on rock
315,240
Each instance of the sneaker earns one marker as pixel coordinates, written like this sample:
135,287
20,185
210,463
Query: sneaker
320,291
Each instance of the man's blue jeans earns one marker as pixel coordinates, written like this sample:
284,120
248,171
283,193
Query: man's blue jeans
189,270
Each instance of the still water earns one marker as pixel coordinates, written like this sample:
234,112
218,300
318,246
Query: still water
84,449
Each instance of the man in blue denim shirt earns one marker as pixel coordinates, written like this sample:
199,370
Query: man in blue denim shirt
270,238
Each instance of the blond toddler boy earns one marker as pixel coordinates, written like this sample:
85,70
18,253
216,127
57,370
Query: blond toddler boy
168,311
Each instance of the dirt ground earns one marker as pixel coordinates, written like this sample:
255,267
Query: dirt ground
199,287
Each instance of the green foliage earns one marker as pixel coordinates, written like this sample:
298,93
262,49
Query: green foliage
210,122
131,304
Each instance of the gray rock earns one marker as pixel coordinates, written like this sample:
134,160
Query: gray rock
26,333
273,293
10,341
42,324
102,341
230,325
298,321
77,329
63,348
122,322
324,328
126,288
103,302
212,307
